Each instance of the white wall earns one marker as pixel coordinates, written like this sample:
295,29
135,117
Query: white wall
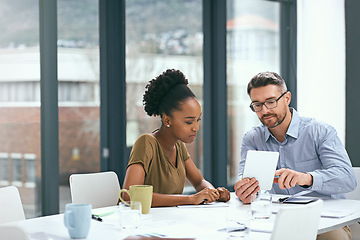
321,61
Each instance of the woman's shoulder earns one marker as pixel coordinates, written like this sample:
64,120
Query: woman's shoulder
144,147
145,140
146,137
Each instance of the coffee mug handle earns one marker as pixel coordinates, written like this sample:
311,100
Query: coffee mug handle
67,216
121,199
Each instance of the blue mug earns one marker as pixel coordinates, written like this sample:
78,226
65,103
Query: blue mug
77,218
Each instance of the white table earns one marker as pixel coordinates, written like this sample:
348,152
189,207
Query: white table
199,223
352,206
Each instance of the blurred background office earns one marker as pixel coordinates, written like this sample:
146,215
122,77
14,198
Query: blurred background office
72,76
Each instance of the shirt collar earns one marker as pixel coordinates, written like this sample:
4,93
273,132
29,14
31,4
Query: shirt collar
293,129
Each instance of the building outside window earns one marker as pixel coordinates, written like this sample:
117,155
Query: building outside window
78,91
78,94
20,97
168,35
4,169
16,166
30,170
252,46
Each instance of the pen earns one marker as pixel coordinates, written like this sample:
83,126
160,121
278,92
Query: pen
103,214
96,218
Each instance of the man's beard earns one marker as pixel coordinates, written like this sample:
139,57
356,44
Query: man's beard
278,120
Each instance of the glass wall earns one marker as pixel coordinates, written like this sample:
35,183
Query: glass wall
20,155
78,91
161,35
253,34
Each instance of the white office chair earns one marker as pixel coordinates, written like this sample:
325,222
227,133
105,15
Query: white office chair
9,232
100,189
355,228
300,222
11,208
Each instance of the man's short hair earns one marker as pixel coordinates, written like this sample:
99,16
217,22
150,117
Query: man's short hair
263,79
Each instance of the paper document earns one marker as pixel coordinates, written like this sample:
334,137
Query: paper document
172,230
327,213
205,205
335,213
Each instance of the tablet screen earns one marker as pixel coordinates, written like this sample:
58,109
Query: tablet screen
262,166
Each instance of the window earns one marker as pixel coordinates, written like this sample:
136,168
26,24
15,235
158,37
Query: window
20,98
78,91
30,170
168,35
4,169
16,166
252,47
159,35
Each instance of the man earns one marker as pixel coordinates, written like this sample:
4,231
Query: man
312,156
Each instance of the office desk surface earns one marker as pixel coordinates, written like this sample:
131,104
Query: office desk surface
349,209
188,222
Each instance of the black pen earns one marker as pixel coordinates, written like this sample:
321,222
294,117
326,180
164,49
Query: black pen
96,218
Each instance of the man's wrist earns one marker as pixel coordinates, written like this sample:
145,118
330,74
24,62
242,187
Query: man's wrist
308,181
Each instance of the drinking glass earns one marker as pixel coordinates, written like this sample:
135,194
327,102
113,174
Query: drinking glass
261,205
129,214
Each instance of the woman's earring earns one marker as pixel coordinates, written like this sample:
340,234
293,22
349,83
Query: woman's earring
168,125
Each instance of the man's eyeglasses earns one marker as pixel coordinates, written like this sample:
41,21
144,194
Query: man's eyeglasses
269,104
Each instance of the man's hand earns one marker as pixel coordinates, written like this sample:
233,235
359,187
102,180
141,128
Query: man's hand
289,178
245,187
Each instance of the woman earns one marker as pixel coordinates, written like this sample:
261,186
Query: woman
161,159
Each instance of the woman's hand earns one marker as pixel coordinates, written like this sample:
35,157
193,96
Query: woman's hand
224,194
206,195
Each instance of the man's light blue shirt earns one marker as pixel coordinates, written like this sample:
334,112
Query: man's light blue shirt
310,146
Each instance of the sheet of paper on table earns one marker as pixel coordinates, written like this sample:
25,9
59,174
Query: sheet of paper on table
205,205
324,213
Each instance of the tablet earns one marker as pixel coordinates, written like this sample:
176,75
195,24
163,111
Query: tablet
262,166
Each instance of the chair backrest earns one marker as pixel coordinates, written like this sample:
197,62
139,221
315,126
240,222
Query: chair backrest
300,222
11,208
356,193
9,232
100,189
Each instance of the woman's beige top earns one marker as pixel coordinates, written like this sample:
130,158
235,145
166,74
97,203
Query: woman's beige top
163,175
